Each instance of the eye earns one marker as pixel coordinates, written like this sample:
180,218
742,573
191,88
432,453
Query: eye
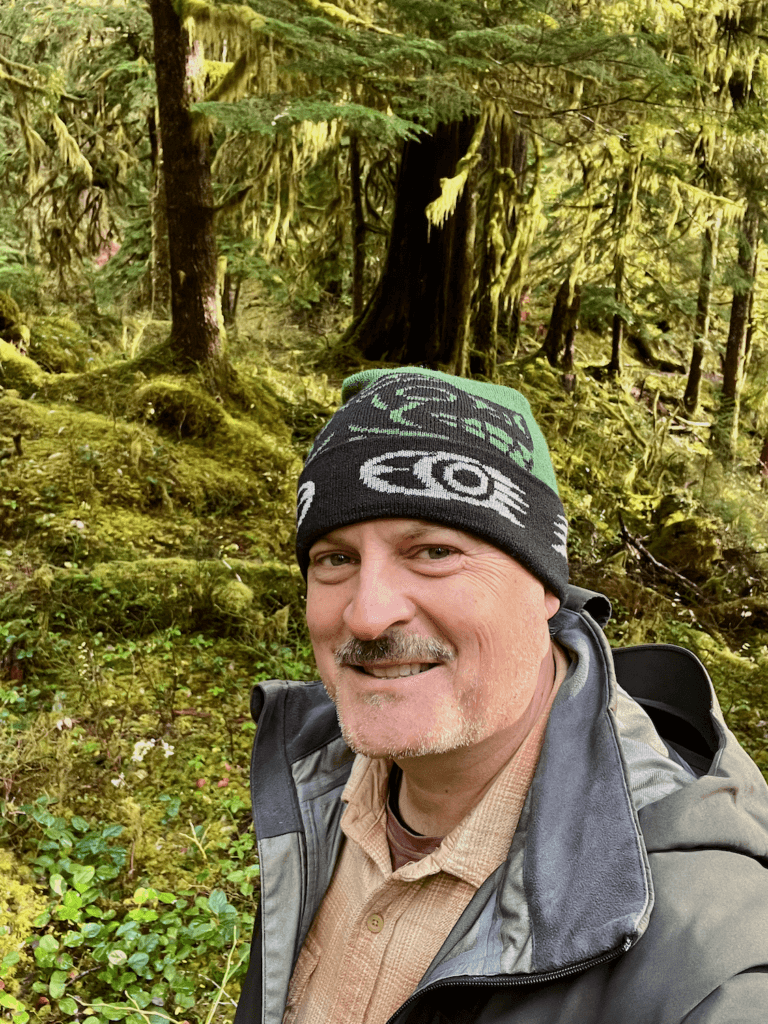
436,553
333,558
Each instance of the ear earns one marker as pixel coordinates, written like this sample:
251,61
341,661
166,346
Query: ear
551,603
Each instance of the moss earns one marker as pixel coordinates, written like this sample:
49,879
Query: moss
179,406
20,904
59,345
149,594
92,487
10,317
689,544
19,372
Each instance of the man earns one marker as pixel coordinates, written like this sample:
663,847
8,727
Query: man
470,820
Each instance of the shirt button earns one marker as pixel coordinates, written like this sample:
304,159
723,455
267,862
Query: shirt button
375,923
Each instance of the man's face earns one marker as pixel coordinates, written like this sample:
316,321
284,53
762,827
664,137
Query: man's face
462,631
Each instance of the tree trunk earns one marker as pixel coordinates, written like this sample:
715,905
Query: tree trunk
358,227
417,312
562,324
617,337
195,335
622,209
733,376
161,257
509,148
709,243
462,272
763,461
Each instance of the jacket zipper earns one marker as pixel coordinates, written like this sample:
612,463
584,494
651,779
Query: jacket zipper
516,980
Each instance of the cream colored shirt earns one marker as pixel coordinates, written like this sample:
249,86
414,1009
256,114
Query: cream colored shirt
377,930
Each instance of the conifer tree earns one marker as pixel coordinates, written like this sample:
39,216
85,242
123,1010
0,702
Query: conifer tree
196,332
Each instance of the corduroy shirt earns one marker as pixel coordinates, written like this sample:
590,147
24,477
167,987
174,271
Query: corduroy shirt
378,930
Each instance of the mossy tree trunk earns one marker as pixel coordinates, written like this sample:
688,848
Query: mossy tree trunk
418,312
358,226
562,326
709,242
622,210
509,152
735,351
196,335
763,460
160,268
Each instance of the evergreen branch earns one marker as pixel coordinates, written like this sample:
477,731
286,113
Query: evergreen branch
29,87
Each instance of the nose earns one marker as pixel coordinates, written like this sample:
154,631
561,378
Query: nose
377,603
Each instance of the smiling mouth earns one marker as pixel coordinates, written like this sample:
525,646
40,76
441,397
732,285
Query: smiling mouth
396,671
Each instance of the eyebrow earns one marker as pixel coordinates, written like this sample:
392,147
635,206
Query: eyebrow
414,534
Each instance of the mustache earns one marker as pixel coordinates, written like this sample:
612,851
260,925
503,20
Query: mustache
405,647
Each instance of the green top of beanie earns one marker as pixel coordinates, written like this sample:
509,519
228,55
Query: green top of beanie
481,392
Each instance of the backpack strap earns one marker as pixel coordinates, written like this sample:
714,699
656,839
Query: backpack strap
674,689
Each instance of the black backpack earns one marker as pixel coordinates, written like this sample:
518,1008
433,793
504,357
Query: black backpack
669,682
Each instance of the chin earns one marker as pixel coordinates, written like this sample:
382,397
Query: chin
372,743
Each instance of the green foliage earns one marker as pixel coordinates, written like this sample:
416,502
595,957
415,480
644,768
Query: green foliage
269,116
111,953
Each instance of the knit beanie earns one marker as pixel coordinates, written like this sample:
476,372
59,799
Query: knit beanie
417,444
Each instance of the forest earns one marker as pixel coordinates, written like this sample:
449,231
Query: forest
212,213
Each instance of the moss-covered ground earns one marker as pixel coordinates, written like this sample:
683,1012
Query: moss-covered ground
147,583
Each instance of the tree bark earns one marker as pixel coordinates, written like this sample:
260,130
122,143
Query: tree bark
622,208
735,350
358,227
709,243
763,461
509,151
195,335
417,312
562,325
161,257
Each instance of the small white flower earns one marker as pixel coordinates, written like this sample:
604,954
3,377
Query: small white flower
119,782
167,748
141,748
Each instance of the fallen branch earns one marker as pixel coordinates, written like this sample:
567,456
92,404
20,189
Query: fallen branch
641,549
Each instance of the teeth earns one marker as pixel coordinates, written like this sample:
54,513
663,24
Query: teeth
396,671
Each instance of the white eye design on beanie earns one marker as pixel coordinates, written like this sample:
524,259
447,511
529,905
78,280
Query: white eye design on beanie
448,476
304,500
561,535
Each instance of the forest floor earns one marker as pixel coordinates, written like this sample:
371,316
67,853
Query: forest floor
147,583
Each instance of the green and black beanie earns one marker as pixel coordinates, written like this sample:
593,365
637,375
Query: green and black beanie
419,444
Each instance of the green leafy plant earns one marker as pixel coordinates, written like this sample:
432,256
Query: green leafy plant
114,951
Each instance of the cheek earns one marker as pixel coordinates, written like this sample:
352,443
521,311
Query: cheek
321,613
